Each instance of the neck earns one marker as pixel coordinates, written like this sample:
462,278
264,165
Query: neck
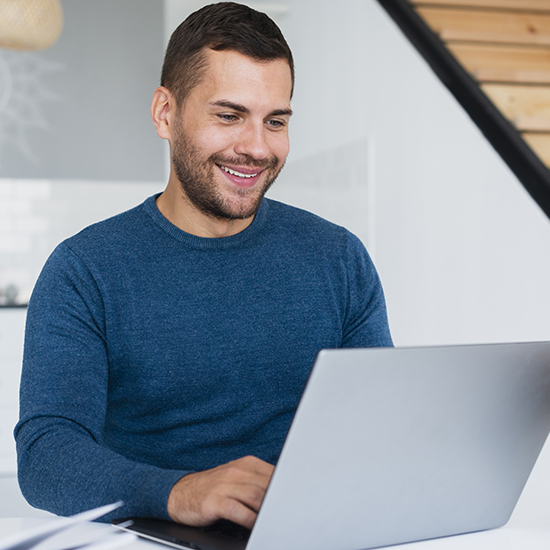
174,205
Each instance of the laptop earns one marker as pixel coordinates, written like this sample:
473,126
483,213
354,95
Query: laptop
395,445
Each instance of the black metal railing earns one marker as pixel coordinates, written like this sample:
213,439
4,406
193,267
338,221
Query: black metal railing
502,135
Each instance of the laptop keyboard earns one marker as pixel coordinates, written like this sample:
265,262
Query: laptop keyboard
228,529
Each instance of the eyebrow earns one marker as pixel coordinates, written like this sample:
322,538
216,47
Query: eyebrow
245,110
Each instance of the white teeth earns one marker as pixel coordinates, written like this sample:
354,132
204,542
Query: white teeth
238,174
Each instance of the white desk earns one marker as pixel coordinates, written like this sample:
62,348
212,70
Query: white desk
506,538
75,535
528,528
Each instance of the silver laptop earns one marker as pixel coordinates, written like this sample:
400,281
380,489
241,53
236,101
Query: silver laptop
394,445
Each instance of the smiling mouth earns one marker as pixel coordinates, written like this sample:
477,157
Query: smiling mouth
238,174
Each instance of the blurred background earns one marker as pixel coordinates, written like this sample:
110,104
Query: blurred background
378,145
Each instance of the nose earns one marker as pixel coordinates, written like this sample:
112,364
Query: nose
252,141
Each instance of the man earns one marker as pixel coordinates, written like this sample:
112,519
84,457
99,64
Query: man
167,348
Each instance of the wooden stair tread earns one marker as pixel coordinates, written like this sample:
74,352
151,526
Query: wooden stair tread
520,101
486,26
505,46
540,144
532,123
491,63
519,5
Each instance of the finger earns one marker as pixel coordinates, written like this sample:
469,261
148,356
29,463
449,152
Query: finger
245,471
237,512
250,494
257,465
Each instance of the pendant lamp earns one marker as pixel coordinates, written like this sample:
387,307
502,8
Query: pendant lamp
30,24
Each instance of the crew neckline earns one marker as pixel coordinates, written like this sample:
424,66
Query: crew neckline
195,241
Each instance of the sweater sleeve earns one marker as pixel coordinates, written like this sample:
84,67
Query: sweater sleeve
366,322
62,465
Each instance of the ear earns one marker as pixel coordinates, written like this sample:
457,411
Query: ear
163,108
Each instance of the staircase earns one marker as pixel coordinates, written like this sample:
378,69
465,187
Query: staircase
494,57
505,46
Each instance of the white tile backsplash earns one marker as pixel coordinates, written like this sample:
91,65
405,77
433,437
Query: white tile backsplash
15,206
36,215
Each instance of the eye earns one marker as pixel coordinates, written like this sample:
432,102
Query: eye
227,117
276,124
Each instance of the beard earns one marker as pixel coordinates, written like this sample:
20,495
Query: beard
198,182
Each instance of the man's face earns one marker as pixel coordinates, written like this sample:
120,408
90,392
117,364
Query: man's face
230,137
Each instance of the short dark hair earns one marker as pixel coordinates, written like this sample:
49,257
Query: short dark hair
221,26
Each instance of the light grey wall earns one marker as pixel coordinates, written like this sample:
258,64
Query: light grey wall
80,109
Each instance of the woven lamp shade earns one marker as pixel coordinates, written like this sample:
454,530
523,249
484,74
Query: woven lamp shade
30,24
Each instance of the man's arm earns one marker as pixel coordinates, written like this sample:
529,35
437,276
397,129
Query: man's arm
233,491
366,323
62,469
62,464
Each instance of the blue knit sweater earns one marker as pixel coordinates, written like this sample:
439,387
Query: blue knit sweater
151,353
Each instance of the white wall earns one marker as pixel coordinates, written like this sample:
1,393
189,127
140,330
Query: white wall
460,245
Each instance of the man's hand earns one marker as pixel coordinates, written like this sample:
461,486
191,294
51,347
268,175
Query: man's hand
233,491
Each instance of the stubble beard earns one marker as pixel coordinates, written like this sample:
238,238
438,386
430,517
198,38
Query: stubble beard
197,179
